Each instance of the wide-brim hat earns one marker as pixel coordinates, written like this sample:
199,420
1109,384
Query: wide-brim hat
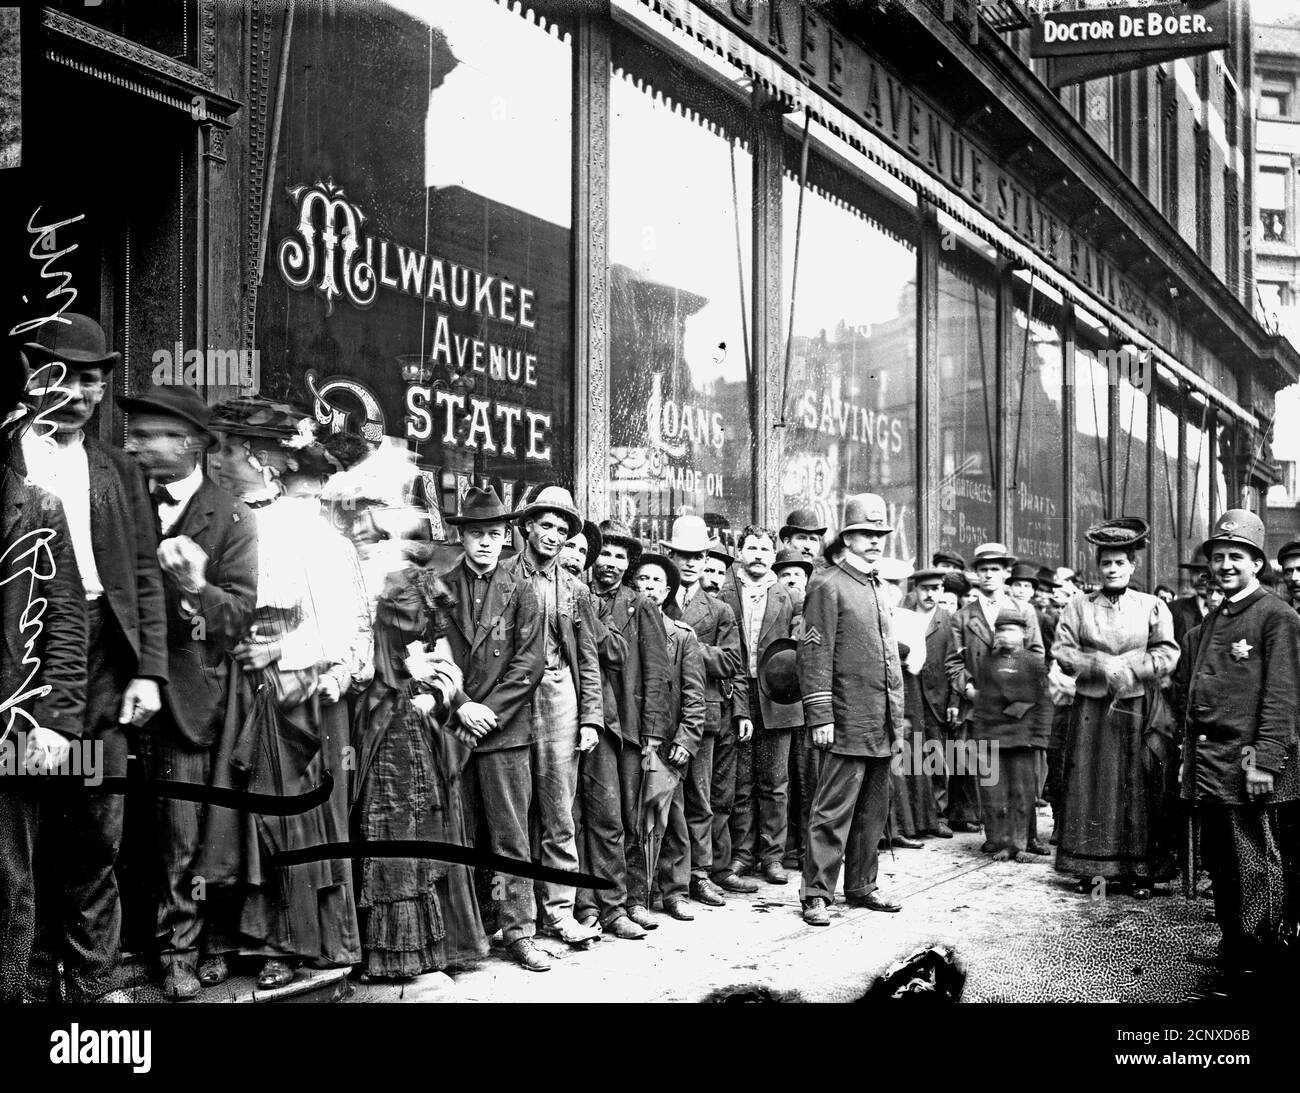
553,499
894,570
480,506
1047,577
616,534
79,340
778,672
690,535
931,574
865,512
595,541
788,557
1288,549
803,521
1121,533
717,551
1025,571
666,564
182,402
993,552
1239,526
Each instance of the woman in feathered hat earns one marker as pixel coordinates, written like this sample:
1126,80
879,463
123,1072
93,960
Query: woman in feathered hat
1118,645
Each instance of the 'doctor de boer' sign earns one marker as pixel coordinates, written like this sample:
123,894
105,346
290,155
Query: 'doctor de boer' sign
1180,28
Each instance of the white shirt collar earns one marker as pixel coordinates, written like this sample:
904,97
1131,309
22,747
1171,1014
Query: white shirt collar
1254,584
183,489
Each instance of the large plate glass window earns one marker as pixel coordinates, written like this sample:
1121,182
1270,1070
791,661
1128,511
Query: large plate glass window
1197,469
850,395
1164,502
1132,380
680,230
1092,468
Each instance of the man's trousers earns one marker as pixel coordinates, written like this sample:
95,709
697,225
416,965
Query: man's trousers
697,793
849,812
598,819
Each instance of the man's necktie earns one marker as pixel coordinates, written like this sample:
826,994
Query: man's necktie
161,495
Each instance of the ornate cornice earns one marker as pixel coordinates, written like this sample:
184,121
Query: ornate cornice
123,63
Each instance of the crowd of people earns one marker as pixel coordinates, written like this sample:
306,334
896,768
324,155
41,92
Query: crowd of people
639,728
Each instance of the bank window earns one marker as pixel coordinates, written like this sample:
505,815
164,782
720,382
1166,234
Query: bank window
1164,501
1272,197
681,360
1035,424
966,339
440,149
850,395
1133,449
1092,467
1197,469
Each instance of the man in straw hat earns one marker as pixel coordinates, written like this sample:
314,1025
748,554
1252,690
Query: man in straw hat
106,502
973,630
852,688
568,705
711,785
634,663
1241,764
497,639
208,553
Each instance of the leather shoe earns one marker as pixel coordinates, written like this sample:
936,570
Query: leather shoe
815,912
874,901
677,908
738,867
705,891
180,984
641,916
589,919
213,971
941,831
774,874
274,973
571,931
904,843
733,882
524,952
623,927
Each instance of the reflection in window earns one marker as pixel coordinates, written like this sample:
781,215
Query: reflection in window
1091,463
1196,474
966,345
851,392
1131,465
679,250
1035,432
1164,505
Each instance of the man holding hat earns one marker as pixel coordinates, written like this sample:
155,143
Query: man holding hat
634,665
1240,762
852,688
726,715
1288,563
803,532
209,559
568,705
106,501
973,632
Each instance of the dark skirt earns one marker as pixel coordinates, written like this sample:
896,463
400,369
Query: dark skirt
420,914
1118,762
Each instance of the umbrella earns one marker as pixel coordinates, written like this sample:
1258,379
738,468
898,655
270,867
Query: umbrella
658,784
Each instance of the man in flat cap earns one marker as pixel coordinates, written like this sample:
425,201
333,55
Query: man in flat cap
852,688
79,911
1288,563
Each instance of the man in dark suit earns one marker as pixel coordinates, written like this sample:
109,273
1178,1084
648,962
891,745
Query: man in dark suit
710,789
634,663
1288,564
208,555
972,631
765,611
497,639
939,703
79,910
42,648
1189,611
851,683
803,532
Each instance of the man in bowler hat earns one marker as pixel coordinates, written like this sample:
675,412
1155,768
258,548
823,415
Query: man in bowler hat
852,687
802,531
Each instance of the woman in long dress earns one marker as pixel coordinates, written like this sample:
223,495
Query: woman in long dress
1118,645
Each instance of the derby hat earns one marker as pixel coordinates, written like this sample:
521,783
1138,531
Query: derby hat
801,520
690,536
79,340
948,558
778,675
788,557
480,507
865,512
182,402
1047,577
1121,533
993,552
553,499
716,551
1025,571
616,534
591,533
663,562
1237,526
932,574
1288,550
